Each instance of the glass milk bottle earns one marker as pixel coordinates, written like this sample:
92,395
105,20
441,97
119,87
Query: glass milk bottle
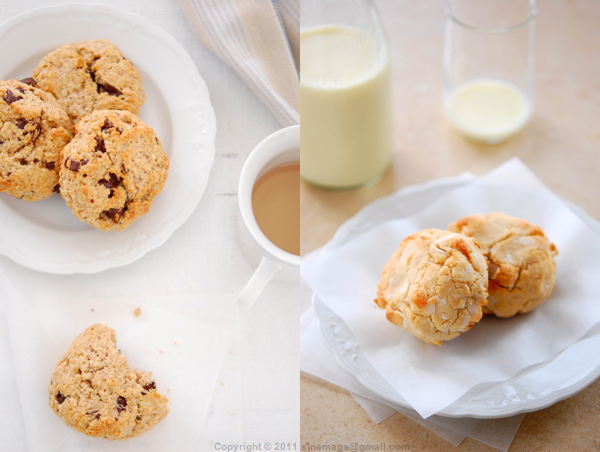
345,94
489,54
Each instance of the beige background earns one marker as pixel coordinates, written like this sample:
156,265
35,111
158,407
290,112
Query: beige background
561,145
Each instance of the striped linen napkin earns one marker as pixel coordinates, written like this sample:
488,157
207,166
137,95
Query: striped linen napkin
260,40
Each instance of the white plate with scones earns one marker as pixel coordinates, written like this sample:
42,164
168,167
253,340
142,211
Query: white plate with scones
45,235
531,388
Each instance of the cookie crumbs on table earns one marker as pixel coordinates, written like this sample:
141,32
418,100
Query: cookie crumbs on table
137,312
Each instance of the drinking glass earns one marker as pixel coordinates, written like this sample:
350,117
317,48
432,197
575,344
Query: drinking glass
489,57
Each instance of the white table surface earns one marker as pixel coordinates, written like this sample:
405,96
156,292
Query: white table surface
258,398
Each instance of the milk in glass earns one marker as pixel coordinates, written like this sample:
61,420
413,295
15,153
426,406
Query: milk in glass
345,106
488,110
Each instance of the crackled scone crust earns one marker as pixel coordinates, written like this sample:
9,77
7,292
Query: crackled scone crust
93,390
34,129
112,169
434,285
520,258
91,75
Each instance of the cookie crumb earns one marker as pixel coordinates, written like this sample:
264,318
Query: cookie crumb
232,412
175,342
137,312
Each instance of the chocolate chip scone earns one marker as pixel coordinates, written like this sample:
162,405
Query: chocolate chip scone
34,129
520,258
91,75
93,390
434,285
112,169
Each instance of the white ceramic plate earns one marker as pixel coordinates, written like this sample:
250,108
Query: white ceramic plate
532,389
45,235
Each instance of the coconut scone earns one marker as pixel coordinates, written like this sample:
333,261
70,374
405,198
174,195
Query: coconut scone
434,285
34,129
112,169
520,259
91,75
93,390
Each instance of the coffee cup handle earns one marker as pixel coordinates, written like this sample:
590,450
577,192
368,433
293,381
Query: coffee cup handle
261,277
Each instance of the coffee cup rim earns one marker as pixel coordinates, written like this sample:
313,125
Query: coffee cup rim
279,142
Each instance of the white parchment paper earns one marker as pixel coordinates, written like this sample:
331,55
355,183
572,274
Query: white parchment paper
430,378
184,355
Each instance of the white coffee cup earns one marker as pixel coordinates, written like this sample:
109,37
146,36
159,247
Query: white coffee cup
278,148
